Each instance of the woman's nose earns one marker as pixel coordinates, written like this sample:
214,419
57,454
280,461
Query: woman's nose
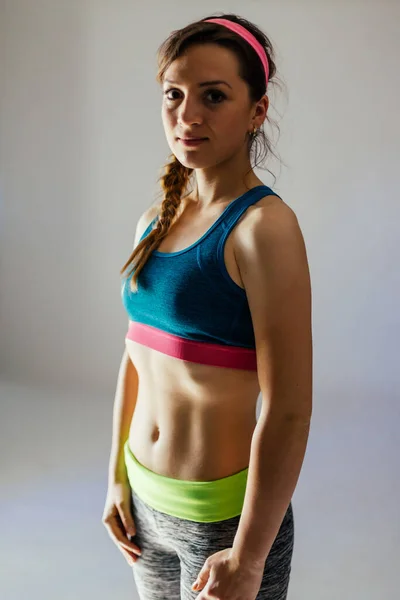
189,113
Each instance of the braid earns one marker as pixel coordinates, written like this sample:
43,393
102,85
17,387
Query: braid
173,183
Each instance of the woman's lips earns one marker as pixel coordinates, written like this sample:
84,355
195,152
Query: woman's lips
192,142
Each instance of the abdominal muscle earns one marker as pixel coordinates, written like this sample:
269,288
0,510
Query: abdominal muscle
191,421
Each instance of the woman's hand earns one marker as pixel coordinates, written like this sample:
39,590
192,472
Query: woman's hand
224,578
118,520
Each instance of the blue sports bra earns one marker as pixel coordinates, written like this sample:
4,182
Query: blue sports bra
188,306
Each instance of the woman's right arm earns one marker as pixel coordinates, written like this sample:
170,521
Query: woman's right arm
117,516
124,406
127,385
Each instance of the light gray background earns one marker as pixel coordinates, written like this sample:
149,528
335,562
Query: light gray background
81,148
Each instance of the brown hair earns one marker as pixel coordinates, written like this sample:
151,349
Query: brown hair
177,176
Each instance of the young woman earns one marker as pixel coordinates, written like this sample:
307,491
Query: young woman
218,296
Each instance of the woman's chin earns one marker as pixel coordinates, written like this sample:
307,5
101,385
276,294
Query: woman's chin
193,160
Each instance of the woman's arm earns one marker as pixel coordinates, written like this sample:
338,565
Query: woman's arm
124,406
274,269
127,388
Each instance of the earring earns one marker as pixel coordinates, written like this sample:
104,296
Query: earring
254,132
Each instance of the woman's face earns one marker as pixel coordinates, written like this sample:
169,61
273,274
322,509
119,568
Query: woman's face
220,112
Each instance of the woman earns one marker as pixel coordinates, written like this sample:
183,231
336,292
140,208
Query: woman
219,304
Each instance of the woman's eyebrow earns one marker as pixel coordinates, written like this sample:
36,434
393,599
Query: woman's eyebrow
203,83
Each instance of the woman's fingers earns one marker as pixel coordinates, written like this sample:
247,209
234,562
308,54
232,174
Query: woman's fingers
130,558
126,543
128,526
118,536
123,507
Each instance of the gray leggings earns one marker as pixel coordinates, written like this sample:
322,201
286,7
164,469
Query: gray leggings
174,550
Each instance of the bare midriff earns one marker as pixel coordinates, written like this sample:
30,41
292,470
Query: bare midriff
191,421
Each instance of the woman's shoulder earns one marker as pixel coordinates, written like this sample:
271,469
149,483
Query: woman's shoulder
144,221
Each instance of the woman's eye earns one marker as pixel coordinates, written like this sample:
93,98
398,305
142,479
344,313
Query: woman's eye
214,93
168,92
218,94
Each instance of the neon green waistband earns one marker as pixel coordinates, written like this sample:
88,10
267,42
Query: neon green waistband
204,501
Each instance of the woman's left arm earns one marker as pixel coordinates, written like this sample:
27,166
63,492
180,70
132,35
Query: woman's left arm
273,265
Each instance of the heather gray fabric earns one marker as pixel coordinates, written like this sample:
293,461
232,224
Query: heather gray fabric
174,550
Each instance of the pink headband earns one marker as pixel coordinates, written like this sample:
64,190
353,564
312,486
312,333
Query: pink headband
249,37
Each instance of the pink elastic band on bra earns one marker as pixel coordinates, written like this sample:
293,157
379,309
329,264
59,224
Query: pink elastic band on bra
249,37
199,352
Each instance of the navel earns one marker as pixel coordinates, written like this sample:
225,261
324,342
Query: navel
156,434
